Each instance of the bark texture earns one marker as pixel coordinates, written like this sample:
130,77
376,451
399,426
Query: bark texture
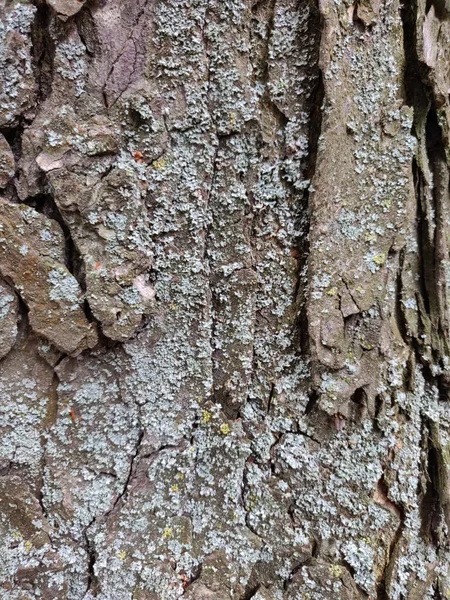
224,299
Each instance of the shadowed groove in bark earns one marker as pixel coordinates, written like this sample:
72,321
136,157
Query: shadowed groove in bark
420,94
43,49
315,130
430,505
430,214
92,581
121,497
45,205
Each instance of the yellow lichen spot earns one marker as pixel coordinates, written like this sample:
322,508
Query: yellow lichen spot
379,259
122,555
174,488
371,237
335,570
180,476
28,546
366,345
360,290
233,118
173,306
167,532
17,535
332,292
252,501
206,416
225,429
160,163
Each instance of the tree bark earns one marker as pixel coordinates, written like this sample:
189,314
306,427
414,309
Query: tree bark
224,299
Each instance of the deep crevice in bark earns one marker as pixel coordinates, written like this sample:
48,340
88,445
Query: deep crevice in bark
43,49
430,504
315,130
92,581
89,543
45,205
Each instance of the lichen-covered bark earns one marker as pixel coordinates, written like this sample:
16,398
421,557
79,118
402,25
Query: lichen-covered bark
224,305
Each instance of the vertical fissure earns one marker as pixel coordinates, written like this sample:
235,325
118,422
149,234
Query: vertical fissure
43,50
431,183
431,186
315,130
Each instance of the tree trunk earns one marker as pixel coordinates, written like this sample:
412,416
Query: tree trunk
224,305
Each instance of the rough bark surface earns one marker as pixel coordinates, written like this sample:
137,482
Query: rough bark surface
224,299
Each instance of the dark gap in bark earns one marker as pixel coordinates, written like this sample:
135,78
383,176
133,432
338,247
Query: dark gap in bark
45,205
315,119
379,406
230,408
295,569
444,387
437,593
409,378
13,135
352,572
131,472
103,341
43,49
195,426
421,234
358,405
86,30
430,504
419,93
23,320
359,396
415,71
438,166
437,470
196,573
250,592
270,399
381,590
441,7
313,399
357,22
89,544
92,583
